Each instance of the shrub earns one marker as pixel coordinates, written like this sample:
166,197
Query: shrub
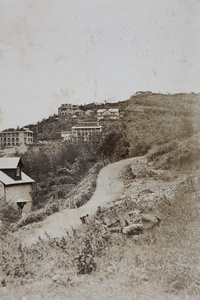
52,208
86,264
32,217
9,213
65,179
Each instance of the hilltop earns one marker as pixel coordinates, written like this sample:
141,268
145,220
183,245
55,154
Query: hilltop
145,110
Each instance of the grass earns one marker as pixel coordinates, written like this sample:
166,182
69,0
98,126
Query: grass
162,264
177,155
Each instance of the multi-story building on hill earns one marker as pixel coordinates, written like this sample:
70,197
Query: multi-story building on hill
108,114
84,131
12,137
66,135
67,109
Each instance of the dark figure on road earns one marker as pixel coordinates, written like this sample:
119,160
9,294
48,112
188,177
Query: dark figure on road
83,219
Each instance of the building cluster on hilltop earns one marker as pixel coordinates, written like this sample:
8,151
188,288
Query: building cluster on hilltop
108,114
83,131
77,125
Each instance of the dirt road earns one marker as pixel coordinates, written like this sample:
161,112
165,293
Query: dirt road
109,187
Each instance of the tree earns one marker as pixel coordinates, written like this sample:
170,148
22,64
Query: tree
114,146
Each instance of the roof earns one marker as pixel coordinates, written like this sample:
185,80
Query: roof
21,200
101,110
9,162
65,132
114,109
86,127
83,124
11,130
5,179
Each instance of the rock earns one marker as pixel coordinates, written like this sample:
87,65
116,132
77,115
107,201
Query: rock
3,282
134,212
150,221
132,229
124,223
115,229
114,224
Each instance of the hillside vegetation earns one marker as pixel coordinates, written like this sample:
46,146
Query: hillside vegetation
165,127
150,120
89,263
161,119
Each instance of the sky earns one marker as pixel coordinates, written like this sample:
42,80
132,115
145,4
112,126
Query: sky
82,51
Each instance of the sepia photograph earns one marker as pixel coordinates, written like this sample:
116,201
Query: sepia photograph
100,150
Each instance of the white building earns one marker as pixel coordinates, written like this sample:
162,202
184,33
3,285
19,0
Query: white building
15,186
12,137
85,130
66,135
108,114
67,109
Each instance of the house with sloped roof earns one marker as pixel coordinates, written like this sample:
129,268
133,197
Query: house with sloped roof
109,114
15,185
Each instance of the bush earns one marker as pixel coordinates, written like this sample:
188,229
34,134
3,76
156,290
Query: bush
32,217
65,180
85,264
52,208
9,213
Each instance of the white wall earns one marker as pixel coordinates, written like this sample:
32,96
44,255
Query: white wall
1,190
16,192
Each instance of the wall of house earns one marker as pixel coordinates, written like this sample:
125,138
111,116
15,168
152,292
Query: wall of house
1,190
16,138
22,191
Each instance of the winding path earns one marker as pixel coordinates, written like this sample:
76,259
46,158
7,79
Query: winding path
109,188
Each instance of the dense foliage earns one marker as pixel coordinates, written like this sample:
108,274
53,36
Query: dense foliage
56,164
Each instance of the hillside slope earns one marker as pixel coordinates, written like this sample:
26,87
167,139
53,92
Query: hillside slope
41,260
156,119
154,265
109,188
